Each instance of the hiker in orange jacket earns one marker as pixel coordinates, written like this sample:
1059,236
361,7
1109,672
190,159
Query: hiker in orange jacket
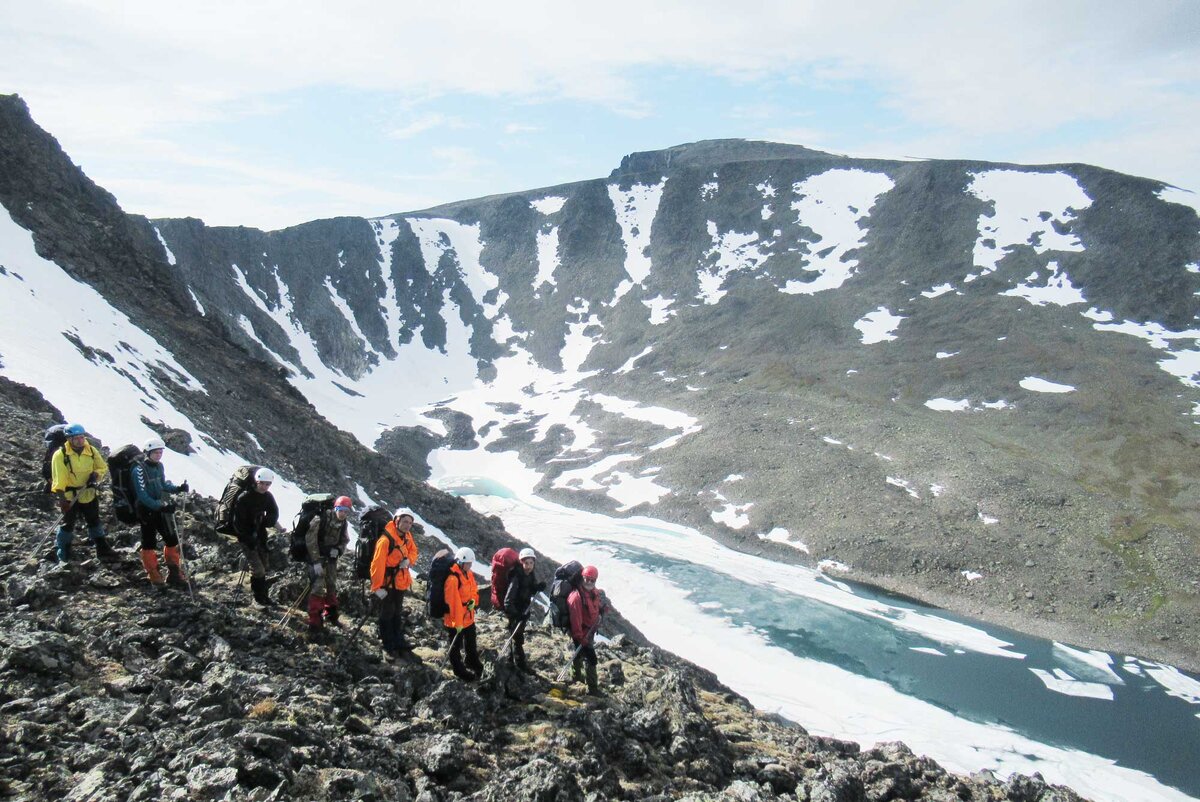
391,578
462,597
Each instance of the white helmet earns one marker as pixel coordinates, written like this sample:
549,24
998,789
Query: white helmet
264,475
403,511
527,554
153,444
464,555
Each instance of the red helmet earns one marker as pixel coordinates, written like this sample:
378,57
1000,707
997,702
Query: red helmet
343,501
590,573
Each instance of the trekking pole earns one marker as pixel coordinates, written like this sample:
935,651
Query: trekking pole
295,605
511,635
237,594
562,675
182,557
46,538
450,648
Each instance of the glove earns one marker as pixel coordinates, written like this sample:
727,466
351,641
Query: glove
317,569
381,594
333,554
471,605
404,565
65,505
458,629
93,480
183,488
167,508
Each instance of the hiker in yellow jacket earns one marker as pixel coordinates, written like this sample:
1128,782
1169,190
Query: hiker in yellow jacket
75,472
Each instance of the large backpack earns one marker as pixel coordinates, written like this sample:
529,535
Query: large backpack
503,561
567,577
241,482
316,504
371,526
435,595
120,466
53,439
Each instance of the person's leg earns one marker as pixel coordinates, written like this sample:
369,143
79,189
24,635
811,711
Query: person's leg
171,550
258,573
331,593
65,534
316,601
388,614
456,646
474,665
150,549
593,683
91,514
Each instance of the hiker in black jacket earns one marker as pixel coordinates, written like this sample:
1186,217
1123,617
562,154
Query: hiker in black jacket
522,585
254,513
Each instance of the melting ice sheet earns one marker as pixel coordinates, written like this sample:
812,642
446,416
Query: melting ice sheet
637,557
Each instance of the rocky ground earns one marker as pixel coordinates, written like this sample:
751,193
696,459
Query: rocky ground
113,690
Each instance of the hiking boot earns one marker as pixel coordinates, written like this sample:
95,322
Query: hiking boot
150,563
175,575
331,617
258,585
104,551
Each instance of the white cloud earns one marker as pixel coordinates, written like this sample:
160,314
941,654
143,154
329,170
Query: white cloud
107,79
426,122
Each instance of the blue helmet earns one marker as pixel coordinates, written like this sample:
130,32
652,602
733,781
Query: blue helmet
75,429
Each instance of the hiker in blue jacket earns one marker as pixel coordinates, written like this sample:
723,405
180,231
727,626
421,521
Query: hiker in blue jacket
156,513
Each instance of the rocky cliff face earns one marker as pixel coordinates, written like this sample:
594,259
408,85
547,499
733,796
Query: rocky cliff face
111,690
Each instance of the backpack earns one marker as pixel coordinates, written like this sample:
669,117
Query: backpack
241,482
435,595
371,525
53,439
567,578
120,467
503,562
316,504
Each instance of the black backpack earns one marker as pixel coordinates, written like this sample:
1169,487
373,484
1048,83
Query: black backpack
316,504
439,571
567,577
120,466
371,525
241,482
53,439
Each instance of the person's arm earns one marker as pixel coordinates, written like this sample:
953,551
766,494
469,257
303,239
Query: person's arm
410,550
454,601
58,472
312,539
271,518
379,564
138,473
575,608
99,466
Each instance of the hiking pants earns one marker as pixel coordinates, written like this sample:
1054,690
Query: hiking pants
466,639
91,514
517,643
255,551
391,621
155,523
326,583
586,655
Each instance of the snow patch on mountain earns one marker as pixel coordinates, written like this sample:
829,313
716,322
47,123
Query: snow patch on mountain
1026,208
438,236
878,326
1184,364
730,252
1057,290
832,204
635,209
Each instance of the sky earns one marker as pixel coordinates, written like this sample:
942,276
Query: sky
269,114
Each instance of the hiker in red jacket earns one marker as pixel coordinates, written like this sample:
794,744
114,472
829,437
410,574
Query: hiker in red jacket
586,605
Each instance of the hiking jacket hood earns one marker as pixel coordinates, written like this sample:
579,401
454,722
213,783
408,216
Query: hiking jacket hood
459,589
71,469
391,549
150,483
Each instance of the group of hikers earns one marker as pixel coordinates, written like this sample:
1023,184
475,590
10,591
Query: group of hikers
386,556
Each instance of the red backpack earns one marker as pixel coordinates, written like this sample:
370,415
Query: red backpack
502,563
